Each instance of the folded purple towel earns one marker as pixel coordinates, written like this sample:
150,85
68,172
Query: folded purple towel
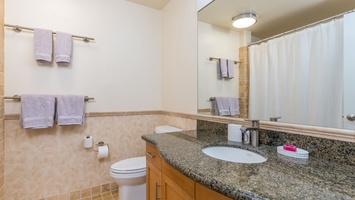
222,68
234,106
70,109
37,111
230,66
222,105
63,48
43,40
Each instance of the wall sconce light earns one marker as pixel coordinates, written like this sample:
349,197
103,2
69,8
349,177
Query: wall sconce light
244,20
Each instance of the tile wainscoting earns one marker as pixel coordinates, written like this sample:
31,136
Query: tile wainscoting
108,191
53,163
2,84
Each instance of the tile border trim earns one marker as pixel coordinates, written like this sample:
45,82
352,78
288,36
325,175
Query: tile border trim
322,132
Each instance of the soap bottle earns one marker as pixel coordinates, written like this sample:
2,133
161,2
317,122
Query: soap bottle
246,137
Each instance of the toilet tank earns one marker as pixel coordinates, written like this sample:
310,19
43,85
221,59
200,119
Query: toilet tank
166,129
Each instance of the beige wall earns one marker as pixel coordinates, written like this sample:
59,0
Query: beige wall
49,162
121,69
2,143
179,56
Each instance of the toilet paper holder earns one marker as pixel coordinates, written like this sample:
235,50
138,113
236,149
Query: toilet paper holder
100,144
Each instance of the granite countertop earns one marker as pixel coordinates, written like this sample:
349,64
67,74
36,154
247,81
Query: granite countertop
279,177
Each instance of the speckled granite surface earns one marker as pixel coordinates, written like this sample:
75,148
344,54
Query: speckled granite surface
277,178
333,150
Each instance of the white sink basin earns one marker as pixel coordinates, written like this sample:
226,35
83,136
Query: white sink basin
233,154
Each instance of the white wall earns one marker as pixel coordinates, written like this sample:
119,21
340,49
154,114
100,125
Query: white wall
218,42
179,56
121,69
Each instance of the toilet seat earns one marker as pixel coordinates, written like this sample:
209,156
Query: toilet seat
135,165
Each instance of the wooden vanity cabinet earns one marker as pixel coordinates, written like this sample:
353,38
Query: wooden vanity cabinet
153,173
175,185
166,183
203,193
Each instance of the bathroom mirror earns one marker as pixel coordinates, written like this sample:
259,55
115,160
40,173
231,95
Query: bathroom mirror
217,38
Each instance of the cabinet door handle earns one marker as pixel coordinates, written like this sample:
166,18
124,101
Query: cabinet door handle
150,155
156,191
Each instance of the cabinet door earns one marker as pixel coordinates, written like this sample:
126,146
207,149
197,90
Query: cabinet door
153,184
203,193
172,191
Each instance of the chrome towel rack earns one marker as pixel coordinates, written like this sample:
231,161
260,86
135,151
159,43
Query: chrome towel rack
214,98
217,59
17,28
17,97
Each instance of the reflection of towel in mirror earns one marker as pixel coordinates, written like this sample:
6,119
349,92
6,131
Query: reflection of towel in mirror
222,68
230,66
222,106
233,106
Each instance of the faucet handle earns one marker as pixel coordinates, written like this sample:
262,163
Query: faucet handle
274,119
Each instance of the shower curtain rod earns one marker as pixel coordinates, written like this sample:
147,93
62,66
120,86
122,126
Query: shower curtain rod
302,27
17,28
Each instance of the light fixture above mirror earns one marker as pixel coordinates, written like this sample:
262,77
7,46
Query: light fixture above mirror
244,20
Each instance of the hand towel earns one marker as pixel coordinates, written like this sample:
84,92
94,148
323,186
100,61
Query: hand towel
233,106
223,105
37,111
222,68
215,108
230,68
63,48
43,45
70,109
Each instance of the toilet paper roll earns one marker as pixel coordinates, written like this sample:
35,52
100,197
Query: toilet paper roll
88,141
234,133
102,152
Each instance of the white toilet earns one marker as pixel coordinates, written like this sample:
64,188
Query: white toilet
129,174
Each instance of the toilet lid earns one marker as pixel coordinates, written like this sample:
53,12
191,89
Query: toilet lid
130,165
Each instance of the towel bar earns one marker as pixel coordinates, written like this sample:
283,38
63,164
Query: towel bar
18,29
17,97
214,98
216,59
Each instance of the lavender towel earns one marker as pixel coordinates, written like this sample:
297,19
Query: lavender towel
63,48
222,105
70,109
222,68
230,68
37,111
233,106
43,45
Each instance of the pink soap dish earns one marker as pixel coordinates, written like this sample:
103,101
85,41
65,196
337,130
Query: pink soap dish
299,153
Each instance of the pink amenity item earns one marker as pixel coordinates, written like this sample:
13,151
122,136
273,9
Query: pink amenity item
290,147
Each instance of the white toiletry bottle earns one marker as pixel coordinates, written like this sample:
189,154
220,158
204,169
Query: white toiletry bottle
246,137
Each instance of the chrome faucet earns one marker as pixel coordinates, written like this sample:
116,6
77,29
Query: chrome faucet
254,132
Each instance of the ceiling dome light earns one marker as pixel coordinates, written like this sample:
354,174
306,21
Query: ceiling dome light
244,20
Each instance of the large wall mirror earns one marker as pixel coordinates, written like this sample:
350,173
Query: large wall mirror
218,39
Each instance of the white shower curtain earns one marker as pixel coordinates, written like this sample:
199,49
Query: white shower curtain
299,77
